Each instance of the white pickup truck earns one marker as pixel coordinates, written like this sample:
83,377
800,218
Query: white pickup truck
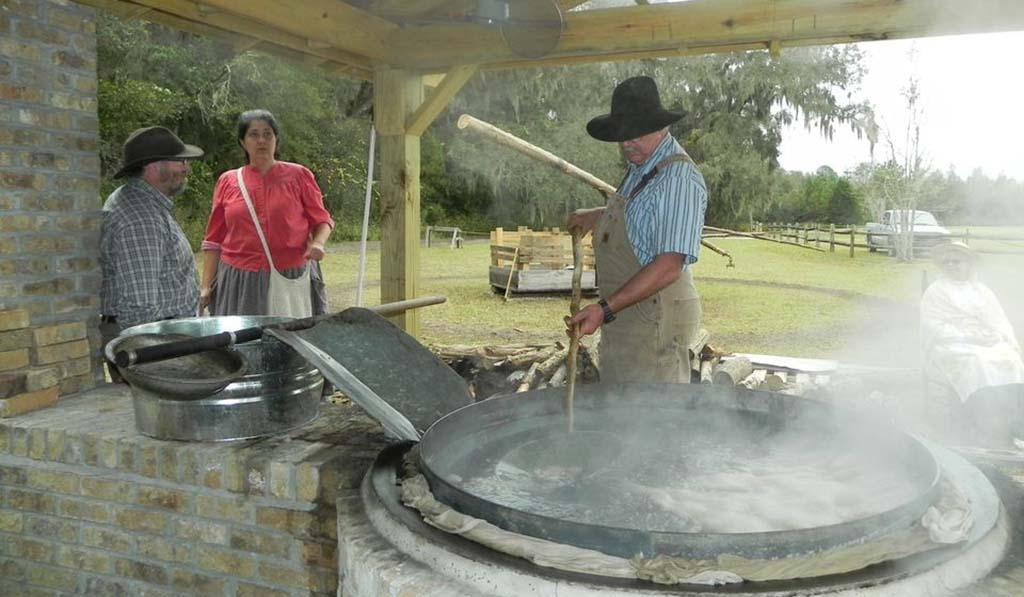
927,230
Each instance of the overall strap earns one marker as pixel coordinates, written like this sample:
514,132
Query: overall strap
676,157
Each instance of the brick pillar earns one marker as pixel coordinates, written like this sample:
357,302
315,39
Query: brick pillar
50,173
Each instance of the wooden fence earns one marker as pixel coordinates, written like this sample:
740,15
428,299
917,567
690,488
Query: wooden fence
818,235
849,237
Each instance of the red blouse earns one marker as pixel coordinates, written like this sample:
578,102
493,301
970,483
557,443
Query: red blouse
288,204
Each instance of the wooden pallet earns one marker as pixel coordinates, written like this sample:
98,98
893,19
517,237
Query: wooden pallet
537,261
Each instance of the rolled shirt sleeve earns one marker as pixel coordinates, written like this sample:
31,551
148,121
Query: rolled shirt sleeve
313,201
216,227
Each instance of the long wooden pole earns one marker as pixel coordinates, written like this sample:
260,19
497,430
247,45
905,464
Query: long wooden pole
574,336
493,133
509,140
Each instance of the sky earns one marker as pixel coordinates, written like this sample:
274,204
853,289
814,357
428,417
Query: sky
972,98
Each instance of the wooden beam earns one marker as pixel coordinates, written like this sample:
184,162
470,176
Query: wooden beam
245,26
243,34
626,56
406,9
334,22
618,33
438,99
397,94
433,80
131,11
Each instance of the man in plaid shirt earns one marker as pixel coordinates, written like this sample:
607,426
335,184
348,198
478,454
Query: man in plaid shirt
149,272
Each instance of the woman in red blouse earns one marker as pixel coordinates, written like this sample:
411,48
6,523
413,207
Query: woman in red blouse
290,209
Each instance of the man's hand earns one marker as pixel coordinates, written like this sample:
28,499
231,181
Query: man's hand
590,319
584,220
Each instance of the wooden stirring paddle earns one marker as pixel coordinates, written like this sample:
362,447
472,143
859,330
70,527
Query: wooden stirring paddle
574,336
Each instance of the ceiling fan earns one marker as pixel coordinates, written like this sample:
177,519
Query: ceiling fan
530,28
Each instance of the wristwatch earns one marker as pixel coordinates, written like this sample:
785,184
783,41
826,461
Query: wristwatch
609,315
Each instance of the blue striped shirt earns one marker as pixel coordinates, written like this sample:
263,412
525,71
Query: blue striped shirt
667,216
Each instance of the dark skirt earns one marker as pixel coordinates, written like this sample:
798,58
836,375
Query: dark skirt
242,292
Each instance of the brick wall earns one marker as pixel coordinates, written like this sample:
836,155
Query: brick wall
89,506
49,166
40,363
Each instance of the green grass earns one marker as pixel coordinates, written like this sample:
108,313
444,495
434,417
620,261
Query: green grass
745,308
777,299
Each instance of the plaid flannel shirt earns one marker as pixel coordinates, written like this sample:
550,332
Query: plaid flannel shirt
149,272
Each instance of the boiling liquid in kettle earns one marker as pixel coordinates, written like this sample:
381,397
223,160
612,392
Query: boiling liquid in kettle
692,478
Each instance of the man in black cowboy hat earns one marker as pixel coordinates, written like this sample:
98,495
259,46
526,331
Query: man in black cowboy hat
645,240
149,272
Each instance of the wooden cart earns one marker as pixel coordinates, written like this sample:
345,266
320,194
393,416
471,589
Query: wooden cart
524,261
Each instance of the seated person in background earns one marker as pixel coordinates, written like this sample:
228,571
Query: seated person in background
970,346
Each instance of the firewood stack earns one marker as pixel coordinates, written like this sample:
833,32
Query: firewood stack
711,366
491,370
738,371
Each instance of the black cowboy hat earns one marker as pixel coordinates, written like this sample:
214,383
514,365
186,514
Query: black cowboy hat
636,111
152,144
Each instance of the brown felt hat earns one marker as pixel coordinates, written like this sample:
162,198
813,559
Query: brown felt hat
152,144
636,111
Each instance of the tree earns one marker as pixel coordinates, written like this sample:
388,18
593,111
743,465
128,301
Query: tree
821,197
737,105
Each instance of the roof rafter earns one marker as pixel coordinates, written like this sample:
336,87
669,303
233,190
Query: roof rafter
682,28
333,22
243,35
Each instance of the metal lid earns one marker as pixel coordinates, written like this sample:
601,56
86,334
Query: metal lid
394,378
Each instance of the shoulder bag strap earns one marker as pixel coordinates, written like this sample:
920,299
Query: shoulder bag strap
255,220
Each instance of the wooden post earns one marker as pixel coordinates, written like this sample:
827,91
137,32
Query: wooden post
397,95
853,238
817,235
511,272
831,238
426,237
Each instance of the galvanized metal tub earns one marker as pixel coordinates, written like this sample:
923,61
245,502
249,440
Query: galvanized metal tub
280,390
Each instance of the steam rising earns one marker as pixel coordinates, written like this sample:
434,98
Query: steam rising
707,470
